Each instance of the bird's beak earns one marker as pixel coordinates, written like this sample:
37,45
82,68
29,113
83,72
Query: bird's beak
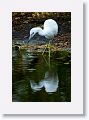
30,37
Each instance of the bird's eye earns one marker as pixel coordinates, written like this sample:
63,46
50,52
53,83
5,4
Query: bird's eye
33,33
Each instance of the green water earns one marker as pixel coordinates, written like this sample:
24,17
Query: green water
38,78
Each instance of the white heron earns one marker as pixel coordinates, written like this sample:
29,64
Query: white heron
50,82
49,31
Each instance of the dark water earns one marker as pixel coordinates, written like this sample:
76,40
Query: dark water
38,78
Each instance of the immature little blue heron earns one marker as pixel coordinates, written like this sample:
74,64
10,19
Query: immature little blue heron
49,31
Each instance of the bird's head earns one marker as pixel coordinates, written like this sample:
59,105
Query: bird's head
32,33
35,30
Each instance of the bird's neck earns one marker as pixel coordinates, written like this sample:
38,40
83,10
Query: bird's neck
40,31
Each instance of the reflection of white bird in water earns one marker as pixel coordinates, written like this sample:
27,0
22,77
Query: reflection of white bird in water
50,83
49,31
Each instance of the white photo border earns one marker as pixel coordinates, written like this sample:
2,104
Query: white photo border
76,104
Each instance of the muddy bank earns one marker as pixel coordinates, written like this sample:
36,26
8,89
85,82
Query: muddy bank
22,22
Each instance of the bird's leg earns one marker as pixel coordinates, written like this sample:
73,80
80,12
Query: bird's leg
46,60
44,49
49,53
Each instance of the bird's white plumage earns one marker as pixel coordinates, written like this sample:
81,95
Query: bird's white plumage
49,31
50,28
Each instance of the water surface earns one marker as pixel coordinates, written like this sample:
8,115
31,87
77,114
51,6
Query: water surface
38,78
